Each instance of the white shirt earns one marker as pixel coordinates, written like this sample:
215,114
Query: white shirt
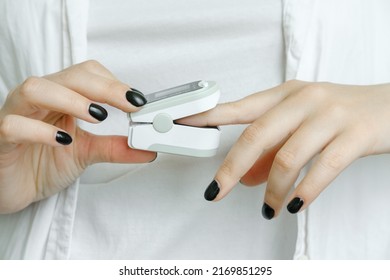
157,210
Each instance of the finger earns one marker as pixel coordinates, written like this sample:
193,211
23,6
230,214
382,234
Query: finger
103,89
307,141
262,135
245,110
114,149
259,172
94,67
15,129
331,162
38,93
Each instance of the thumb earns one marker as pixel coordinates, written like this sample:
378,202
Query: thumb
115,149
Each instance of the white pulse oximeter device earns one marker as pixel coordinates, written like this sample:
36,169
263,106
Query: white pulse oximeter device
153,128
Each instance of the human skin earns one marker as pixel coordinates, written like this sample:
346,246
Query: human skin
42,150
291,124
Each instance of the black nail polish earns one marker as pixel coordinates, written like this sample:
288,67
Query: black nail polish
63,138
136,98
97,111
211,191
295,205
267,211
136,90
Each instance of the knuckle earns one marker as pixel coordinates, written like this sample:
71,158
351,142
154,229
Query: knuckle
312,91
316,88
272,196
336,111
285,161
332,160
113,87
293,84
90,65
30,86
7,124
252,133
227,169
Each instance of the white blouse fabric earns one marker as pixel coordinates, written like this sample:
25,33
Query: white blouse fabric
157,210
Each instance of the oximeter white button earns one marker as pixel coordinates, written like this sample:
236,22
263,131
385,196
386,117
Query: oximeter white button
162,123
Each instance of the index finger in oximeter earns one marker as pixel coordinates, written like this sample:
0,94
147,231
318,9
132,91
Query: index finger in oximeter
153,127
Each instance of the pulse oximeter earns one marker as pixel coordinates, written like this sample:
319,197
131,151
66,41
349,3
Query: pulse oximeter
153,128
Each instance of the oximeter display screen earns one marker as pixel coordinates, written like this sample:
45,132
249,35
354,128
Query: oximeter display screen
156,96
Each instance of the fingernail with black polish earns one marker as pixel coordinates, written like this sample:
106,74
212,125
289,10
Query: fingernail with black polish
136,90
136,97
295,205
211,191
97,111
63,138
267,211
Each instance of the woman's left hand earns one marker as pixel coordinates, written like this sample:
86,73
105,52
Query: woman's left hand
289,125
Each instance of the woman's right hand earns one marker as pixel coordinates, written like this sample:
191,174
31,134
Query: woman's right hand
42,150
